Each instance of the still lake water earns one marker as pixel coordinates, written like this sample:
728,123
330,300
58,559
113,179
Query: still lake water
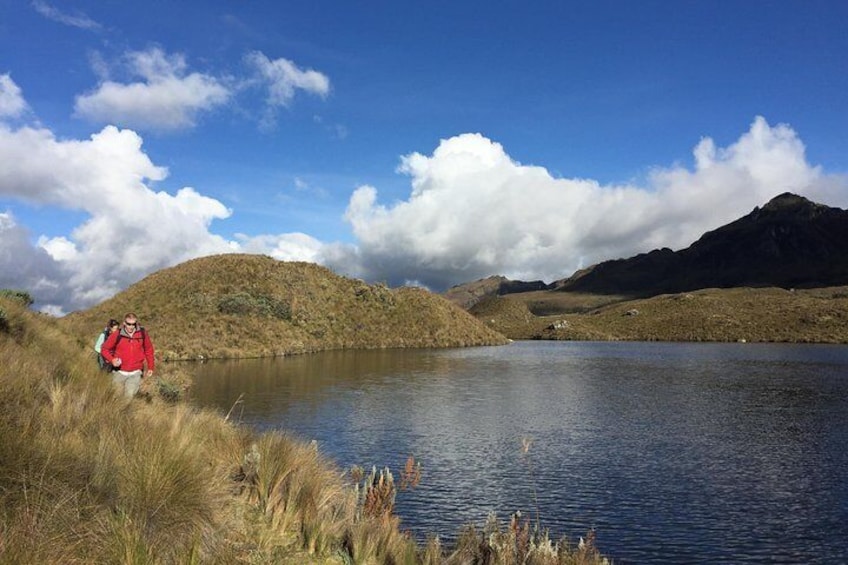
673,453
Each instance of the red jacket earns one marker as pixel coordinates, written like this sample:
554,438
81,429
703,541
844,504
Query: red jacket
133,350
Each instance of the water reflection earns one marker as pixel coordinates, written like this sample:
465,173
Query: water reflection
673,452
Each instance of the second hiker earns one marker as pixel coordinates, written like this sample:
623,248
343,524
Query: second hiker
111,326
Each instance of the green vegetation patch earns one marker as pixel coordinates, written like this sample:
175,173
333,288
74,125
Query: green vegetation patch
246,304
20,295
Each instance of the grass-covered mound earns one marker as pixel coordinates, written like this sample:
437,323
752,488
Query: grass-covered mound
87,477
252,306
737,314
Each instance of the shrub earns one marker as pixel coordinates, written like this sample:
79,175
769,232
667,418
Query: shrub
245,304
19,295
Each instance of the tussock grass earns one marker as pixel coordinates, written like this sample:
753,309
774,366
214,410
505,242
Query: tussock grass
87,478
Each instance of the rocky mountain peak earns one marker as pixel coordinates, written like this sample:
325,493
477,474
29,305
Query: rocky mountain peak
789,242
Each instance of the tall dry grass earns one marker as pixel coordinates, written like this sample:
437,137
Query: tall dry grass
87,477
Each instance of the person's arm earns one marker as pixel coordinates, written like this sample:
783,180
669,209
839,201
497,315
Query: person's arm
148,353
108,346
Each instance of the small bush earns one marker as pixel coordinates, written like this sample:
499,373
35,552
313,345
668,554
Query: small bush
245,304
20,295
173,385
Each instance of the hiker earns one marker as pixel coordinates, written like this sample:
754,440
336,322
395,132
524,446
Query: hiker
111,326
128,350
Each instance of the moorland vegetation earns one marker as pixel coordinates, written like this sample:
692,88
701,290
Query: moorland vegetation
816,315
89,477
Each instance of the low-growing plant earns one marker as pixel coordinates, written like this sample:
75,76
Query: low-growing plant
246,304
173,384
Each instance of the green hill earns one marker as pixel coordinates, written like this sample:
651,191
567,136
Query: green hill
251,306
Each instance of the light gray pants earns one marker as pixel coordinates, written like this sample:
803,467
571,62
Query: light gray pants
127,381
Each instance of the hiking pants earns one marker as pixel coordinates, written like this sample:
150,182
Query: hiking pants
127,381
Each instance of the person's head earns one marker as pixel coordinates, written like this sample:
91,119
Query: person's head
130,322
113,325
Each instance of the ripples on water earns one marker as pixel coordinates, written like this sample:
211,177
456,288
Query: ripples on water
674,453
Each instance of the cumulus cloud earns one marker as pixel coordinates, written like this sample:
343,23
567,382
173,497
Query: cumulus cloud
473,211
283,79
131,229
24,266
79,20
167,97
285,247
12,103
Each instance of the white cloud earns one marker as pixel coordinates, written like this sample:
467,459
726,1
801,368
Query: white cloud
131,231
473,211
26,267
12,103
285,247
166,99
283,79
79,20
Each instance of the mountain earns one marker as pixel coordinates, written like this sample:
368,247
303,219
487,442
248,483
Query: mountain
468,294
253,306
790,242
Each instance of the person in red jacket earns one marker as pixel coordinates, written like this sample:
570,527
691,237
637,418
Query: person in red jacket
128,350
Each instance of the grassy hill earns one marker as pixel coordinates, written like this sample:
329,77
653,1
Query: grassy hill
749,314
251,306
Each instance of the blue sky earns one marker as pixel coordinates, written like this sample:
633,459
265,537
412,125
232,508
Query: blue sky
428,143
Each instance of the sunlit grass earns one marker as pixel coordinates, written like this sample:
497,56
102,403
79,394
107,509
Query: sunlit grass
239,306
87,477
722,315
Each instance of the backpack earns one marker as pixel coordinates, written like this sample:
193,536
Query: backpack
101,361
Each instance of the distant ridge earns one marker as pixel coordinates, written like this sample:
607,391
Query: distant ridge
469,294
790,242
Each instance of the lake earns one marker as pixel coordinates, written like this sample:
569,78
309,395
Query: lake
672,452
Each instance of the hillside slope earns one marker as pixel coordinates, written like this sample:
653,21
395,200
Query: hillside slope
250,306
736,314
790,242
